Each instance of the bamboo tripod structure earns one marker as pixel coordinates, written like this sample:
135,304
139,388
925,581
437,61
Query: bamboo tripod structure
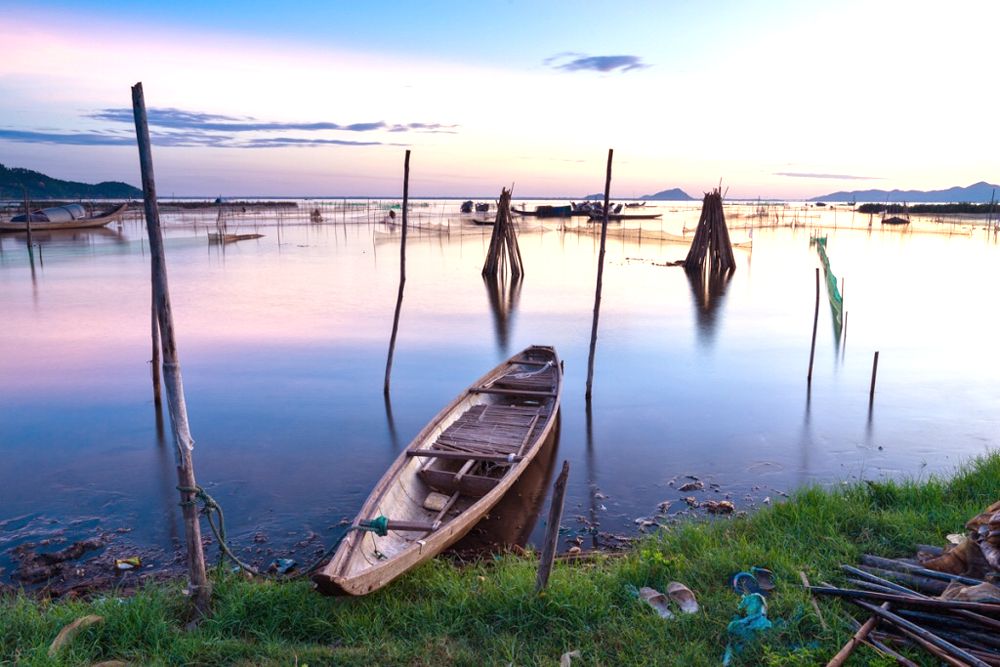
711,249
503,251
200,589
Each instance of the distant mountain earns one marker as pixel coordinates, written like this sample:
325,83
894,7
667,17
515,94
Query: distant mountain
977,192
598,195
676,194
40,186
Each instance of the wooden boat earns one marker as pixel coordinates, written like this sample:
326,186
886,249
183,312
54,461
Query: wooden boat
598,217
215,238
546,211
454,472
484,221
40,221
895,220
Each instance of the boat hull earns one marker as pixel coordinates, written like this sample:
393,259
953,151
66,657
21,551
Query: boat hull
82,223
356,568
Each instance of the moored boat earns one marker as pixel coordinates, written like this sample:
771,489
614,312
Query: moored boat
455,470
597,217
71,216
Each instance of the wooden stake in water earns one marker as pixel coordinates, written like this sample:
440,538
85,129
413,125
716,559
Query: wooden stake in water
600,278
27,226
402,273
200,589
812,349
871,392
552,529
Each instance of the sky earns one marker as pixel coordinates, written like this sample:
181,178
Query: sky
773,99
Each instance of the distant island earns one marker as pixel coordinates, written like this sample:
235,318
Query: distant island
14,180
675,194
977,192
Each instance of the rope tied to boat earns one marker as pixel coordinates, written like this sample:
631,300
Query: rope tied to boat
217,522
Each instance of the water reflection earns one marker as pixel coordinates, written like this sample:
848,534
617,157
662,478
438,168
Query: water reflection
503,296
708,290
391,423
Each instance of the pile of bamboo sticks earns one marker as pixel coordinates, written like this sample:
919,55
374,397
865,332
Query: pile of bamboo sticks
503,251
711,248
962,627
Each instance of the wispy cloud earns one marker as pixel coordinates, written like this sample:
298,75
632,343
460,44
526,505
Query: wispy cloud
196,120
836,177
574,62
179,127
176,139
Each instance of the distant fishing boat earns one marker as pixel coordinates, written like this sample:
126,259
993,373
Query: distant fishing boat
71,216
547,211
896,219
635,204
466,206
484,221
482,207
214,238
454,472
597,216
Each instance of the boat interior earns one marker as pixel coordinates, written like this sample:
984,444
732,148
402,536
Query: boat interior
463,457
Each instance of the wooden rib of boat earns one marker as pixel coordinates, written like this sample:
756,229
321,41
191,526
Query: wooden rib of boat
454,472
99,220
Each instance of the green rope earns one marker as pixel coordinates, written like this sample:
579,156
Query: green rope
379,525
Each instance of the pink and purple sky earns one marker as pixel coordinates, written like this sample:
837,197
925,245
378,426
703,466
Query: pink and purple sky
778,99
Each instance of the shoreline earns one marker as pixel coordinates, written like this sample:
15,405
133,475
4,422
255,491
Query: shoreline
485,612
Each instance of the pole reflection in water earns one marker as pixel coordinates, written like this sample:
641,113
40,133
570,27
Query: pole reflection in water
591,481
503,298
512,520
391,423
708,290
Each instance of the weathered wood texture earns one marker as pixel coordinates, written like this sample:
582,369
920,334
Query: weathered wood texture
200,589
552,529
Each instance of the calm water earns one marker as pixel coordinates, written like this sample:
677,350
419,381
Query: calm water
283,343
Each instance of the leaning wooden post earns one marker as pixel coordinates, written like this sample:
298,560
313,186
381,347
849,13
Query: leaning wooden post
552,529
402,274
600,278
200,589
871,392
812,350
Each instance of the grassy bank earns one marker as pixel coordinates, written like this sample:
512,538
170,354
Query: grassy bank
487,613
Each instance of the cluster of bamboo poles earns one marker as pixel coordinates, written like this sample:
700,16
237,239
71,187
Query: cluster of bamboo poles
956,632
711,248
503,252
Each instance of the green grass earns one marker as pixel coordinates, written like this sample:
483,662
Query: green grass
487,614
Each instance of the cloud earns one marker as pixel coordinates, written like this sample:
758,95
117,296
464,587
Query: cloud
68,138
195,120
840,177
175,139
282,142
580,61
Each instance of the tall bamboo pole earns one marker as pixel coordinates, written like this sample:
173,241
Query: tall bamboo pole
402,274
600,277
552,530
200,589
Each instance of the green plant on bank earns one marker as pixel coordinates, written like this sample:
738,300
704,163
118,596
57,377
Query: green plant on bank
487,613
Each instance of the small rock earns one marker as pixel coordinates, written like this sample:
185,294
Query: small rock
665,505
691,501
696,485
719,507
